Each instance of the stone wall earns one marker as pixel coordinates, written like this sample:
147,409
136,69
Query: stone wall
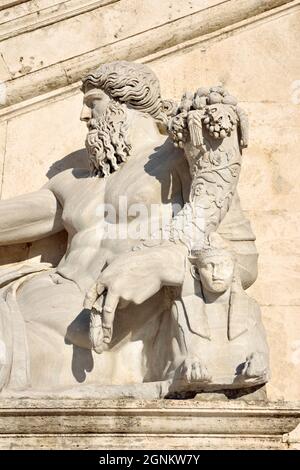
252,47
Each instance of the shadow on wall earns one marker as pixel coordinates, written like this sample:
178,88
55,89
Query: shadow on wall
50,249
76,159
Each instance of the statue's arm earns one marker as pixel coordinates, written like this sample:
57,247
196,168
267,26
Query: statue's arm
29,217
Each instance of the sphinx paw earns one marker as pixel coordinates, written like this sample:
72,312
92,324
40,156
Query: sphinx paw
256,365
194,370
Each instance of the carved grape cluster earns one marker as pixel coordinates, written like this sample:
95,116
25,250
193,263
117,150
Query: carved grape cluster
178,129
218,114
218,121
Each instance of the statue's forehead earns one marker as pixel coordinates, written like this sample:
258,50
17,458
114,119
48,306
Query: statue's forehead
216,258
92,91
93,94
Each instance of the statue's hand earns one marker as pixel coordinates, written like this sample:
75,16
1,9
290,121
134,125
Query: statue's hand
135,277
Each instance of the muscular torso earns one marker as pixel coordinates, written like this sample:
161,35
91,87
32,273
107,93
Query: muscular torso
148,183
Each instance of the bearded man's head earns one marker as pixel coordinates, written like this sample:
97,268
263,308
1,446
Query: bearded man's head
108,93
107,141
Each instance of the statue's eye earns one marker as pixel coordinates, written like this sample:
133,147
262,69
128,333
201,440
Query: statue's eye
213,110
208,266
89,103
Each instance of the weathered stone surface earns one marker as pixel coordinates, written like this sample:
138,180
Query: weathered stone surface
4,75
3,130
172,25
293,438
130,424
283,332
246,60
49,140
5,4
77,39
278,242
35,14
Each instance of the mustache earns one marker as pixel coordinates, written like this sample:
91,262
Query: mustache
93,123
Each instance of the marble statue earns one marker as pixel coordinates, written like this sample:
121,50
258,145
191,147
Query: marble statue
215,318
149,298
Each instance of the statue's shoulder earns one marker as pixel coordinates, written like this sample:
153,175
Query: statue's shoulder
71,176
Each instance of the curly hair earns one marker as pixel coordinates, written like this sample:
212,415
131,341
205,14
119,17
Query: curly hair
128,82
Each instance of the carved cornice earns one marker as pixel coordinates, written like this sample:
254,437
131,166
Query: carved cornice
64,77
88,422
285,9
292,439
10,3
47,16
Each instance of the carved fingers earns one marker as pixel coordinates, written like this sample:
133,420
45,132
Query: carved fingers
108,315
93,294
103,303
132,278
96,331
91,297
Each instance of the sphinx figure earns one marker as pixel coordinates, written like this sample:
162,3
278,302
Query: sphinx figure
218,335
104,317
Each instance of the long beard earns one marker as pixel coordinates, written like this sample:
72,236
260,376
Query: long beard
107,141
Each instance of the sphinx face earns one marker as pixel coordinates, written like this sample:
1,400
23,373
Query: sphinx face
216,273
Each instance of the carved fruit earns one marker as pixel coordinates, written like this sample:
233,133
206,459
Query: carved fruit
229,99
217,89
215,98
202,91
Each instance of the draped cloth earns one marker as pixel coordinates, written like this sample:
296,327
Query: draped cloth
14,353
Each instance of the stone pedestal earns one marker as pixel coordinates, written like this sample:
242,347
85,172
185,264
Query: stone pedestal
50,423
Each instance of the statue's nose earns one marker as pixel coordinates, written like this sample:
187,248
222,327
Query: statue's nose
217,272
85,114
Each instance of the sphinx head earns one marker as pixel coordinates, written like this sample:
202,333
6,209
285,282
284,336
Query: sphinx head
216,271
215,265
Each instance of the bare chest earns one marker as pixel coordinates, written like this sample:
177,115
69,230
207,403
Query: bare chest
139,187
